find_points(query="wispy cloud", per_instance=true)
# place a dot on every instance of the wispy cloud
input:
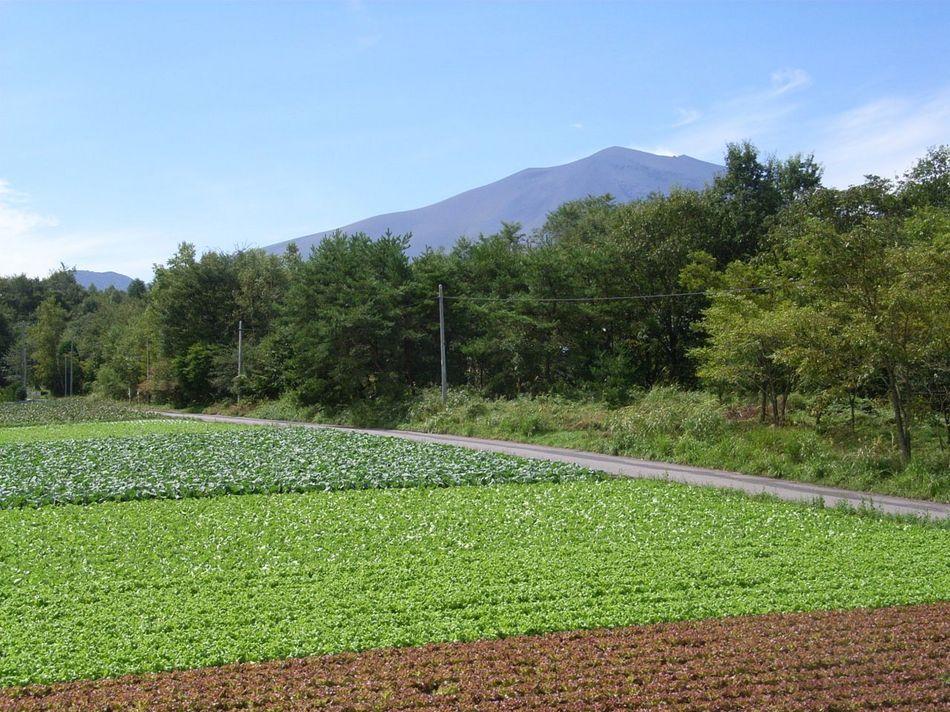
(758, 115)
(577, 125)
(35, 244)
(787, 80)
(17, 220)
(686, 117)
(884, 136)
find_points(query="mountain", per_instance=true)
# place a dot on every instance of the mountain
(102, 280)
(528, 196)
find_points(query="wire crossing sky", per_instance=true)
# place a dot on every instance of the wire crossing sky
(127, 127)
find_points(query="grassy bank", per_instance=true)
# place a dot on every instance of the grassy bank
(684, 427)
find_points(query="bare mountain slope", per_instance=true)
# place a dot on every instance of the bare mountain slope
(529, 195)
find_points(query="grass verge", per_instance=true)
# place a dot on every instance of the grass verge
(693, 428)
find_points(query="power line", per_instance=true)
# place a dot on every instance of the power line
(628, 298)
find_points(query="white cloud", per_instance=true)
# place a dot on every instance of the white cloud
(577, 125)
(34, 244)
(758, 115)
(884, 136)
(16, 218)
(786, 80)
(659, 150)
(686, 117)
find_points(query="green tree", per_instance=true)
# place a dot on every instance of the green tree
(45, 338)
(345, 318)
(653, 243)
(7, 340)
(750, 193)
(882, 288)
(747, 331)
(928, 181)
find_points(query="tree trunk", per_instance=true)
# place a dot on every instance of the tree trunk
(899, 405)
(764, 406)
(946, 423)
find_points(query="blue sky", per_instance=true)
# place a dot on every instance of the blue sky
(127, 127)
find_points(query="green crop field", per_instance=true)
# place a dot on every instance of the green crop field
(103, 429)
(67, 410)
(194, 461)
(92, 591)
(368, 547)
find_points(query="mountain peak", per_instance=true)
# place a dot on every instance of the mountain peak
(527, 197)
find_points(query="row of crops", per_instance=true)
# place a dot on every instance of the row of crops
(197, 460)
(867, 659)
(347, 542)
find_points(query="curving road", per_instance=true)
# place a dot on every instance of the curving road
(630, 467)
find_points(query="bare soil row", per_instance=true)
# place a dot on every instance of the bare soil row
(890, 658)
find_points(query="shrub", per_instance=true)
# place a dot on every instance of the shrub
(663, 415)
(287, 407)
(12, 392)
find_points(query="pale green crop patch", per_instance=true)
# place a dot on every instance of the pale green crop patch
(197, 461)
(68, 410)
(91, 430)
(129, 587)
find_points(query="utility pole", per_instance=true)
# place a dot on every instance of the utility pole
(148, 371)
(240, 357)
(445, 385)
(23, 355)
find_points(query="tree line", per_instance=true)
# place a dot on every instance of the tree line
(764, 284)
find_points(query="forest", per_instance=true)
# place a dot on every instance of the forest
(764, 288)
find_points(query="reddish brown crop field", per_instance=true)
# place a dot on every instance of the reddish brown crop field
(890, 658)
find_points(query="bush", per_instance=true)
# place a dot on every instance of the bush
(287, 407)
(108, 384)
(663, 415)
(12, 392)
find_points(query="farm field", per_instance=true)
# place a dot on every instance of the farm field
(68, 410)
(116, 588)
(102, 429)
(174, 459)
(344, 542)
(889, 658)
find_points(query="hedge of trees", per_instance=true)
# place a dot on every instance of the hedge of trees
(764, 284)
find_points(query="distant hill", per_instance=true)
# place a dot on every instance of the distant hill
(528, 196)
(102, 280)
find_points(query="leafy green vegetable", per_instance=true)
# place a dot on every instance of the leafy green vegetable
(125, 587)
(247, 460)
(92, 429)
(68, 410)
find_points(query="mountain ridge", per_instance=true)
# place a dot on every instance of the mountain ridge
(527, 196)
(102, 280)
